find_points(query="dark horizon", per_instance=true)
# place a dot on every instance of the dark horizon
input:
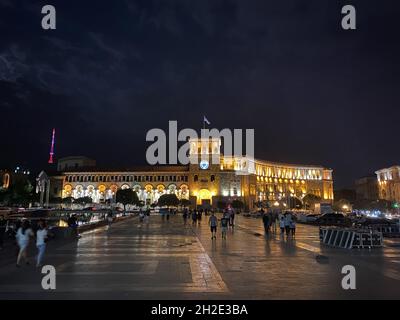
(313, 92)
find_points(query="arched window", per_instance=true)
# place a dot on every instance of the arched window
(212, 178)
(196, 178)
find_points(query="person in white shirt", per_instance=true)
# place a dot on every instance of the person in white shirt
(282, 224)
(293, 226)
(288, 221)
(23, 235)
(41, 239)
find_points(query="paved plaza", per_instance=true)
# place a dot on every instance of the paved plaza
(169, 260)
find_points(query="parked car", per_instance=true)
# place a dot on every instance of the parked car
(332, 219)
(303, 217)
(371, 222)
(312, 217)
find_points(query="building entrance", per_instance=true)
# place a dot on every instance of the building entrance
(204, 196)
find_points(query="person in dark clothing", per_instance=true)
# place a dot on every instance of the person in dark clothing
(232, 219)
(3, 226)
(185, 215)
(73, 223)
(224, 226)
(266, 221)
(194, 217)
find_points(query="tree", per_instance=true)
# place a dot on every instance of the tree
(83, 200)
(21, 193)
(67, 200)
(126, 196)
(185, 202)
(168, 200)
(221, 205)
(295, 203)
(310, 200)
(259, 204)
(237, 204)
(365, 204)
(56, 200)
(341, 205)
(5, 196)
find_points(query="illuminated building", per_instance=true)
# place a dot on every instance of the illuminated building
(366, 188)
(10, 177)
(70, 163)
(4, 179)
(212, 178)
(389, 183)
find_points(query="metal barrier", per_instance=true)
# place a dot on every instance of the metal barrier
(386, 230)
(347, 238)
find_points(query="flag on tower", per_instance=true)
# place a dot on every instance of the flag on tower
(206, 120)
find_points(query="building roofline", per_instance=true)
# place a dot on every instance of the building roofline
(387, 169)
(283, 164)
(152, 169)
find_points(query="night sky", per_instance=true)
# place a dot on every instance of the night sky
(112, 70)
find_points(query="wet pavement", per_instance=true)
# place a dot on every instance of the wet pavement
(170, 260)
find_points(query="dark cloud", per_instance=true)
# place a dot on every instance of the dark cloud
(113, 70)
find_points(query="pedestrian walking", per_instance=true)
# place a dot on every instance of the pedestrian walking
(147, 216)
(141, 216)
(194, 217)
(23, 235)
(185, 215)
(73, 224)
(213, 222)
(274, 216)
(293, 226)
(41, 240)
(288, 221)
(232, 219)
(109, 219)
(224, 226)
(266, 221)
(282, 223)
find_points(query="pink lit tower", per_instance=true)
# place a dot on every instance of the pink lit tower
(51, 160)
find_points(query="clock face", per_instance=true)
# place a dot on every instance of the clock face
(204, 164)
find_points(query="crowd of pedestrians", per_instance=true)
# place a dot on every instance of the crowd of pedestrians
(285, 220)
(272, 220)
(195, 214)
(227, 221)
(24, 232)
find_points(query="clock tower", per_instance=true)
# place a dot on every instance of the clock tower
(204, 169)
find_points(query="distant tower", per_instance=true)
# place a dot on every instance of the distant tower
(52, 146)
